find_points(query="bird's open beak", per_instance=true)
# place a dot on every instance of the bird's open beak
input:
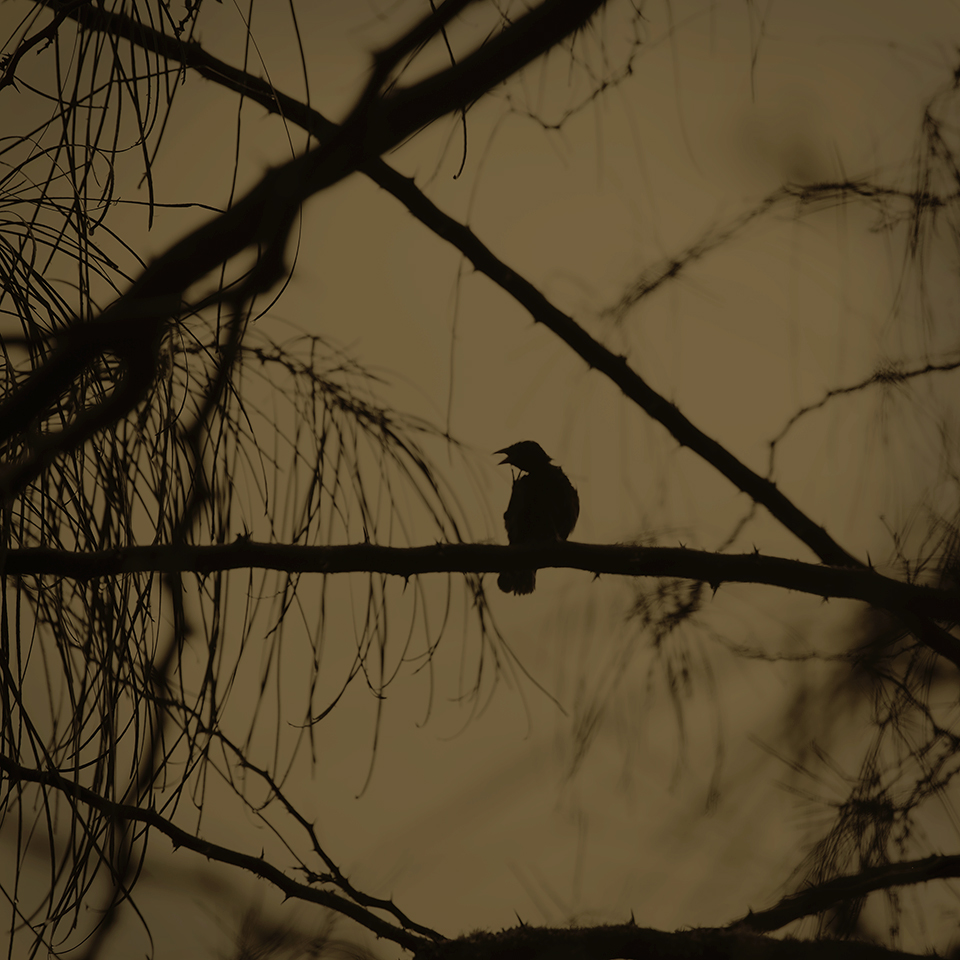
(506, 459)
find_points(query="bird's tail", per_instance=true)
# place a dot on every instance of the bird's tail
(517, 581)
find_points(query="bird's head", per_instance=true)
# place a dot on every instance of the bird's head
(525, 455)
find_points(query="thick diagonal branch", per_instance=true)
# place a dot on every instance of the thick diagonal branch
(262, 221)
(758, 488)
(590, 350)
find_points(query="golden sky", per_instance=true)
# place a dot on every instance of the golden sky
(468, 819)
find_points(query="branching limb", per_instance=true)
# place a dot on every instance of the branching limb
(263, 218)
(759, 489)
(823, 896)
(212, 851)
(335, 875)
(590, 350)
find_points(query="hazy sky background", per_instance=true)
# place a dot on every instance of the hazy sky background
(467, 820)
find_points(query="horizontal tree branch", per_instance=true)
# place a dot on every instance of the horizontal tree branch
(213, 851)
(618, 559)
(627, 941)
(823, 896)
(595, 354)
(615, 367)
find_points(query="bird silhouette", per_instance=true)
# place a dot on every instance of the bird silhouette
(543, 506)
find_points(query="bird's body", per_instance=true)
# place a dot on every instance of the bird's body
(543, 506)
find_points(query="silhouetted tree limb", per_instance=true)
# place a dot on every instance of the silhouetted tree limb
(133, 339)
(128, 334)
(618, 559)
(590, 350)
(262, 220)
(824, 896)
(630, 942)
(332, 874)
(8, 66)
(594, 943)
(761, 490)
(15, 773)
